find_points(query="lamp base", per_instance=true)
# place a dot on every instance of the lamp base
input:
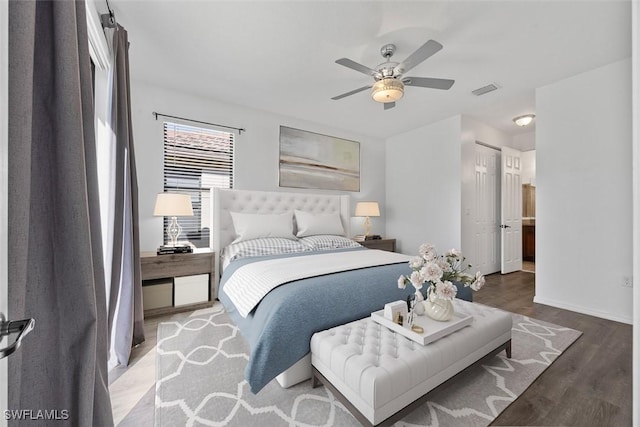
(173, 231)
(367, 226)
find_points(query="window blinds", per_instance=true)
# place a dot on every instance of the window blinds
(195, 160)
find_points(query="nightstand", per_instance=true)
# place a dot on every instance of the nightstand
(382, 244)
(177, 282)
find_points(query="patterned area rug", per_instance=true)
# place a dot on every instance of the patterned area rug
(200, 380)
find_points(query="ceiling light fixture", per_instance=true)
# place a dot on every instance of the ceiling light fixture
(524, 120)
(387, 90)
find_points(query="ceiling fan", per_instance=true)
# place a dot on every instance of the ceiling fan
(389, 81)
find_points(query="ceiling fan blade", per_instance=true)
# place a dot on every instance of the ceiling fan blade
(429, 82)
(355, 66)
(426, 50)
(344, 95)
(389, 105)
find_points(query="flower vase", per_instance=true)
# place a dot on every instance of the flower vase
(439, 309)
(414, 303)
(418, 307)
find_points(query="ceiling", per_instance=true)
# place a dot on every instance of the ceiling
(279, 56)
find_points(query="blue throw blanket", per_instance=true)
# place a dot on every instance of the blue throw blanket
(279, 329)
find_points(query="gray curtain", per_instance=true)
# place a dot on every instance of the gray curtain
(55, 257)
(126, 318)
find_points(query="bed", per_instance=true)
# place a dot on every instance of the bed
(279, 324)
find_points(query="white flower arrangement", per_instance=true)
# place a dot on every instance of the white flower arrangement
(439, 272)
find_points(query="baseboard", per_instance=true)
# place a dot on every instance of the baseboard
(583, 310)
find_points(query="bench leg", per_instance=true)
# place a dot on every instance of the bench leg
(315, 382)
(321, 380)
(508, 349)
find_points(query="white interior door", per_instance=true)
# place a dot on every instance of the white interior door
(487, 210)
(511, 210)
(4, 189)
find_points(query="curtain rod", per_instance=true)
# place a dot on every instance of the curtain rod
(240, 130)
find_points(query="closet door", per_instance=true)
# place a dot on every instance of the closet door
(511, 210)
(487, 210)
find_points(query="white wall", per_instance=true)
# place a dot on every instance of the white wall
(529, 167)
(423, 186)
(474, 131)
(584, 210)
(524, 141)
(431, 183)
(256, 157)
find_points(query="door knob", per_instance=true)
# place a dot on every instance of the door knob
(504, 226)
(21, 327)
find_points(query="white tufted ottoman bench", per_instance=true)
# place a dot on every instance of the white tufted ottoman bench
(380, 376)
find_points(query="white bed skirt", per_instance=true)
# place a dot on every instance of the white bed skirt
(300, 371)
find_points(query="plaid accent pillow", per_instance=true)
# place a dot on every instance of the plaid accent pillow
(261, 247)
(328, 241)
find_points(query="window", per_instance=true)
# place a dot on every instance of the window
(195, 160)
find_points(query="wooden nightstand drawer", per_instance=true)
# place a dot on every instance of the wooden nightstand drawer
(161, 266)
(382, 244)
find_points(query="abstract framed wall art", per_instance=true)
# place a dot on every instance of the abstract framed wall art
(313, 160)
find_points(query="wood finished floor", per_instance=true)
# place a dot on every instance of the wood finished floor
(529, 266)
(589, 385)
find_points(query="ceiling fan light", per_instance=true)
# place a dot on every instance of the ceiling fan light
(387, 90)
(524, 120)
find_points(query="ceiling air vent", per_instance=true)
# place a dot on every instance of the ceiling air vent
(485, 89)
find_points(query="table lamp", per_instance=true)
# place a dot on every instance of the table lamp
(173, 205)
(367, 209)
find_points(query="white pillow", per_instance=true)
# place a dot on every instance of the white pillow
(253, 226)
(310, 224)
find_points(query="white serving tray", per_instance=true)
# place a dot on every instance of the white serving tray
(433, 329)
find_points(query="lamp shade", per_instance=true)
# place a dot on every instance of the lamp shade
(173, 204)
(367, 209)
(387, 90)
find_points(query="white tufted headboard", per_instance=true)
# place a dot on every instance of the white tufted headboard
(250, 201)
